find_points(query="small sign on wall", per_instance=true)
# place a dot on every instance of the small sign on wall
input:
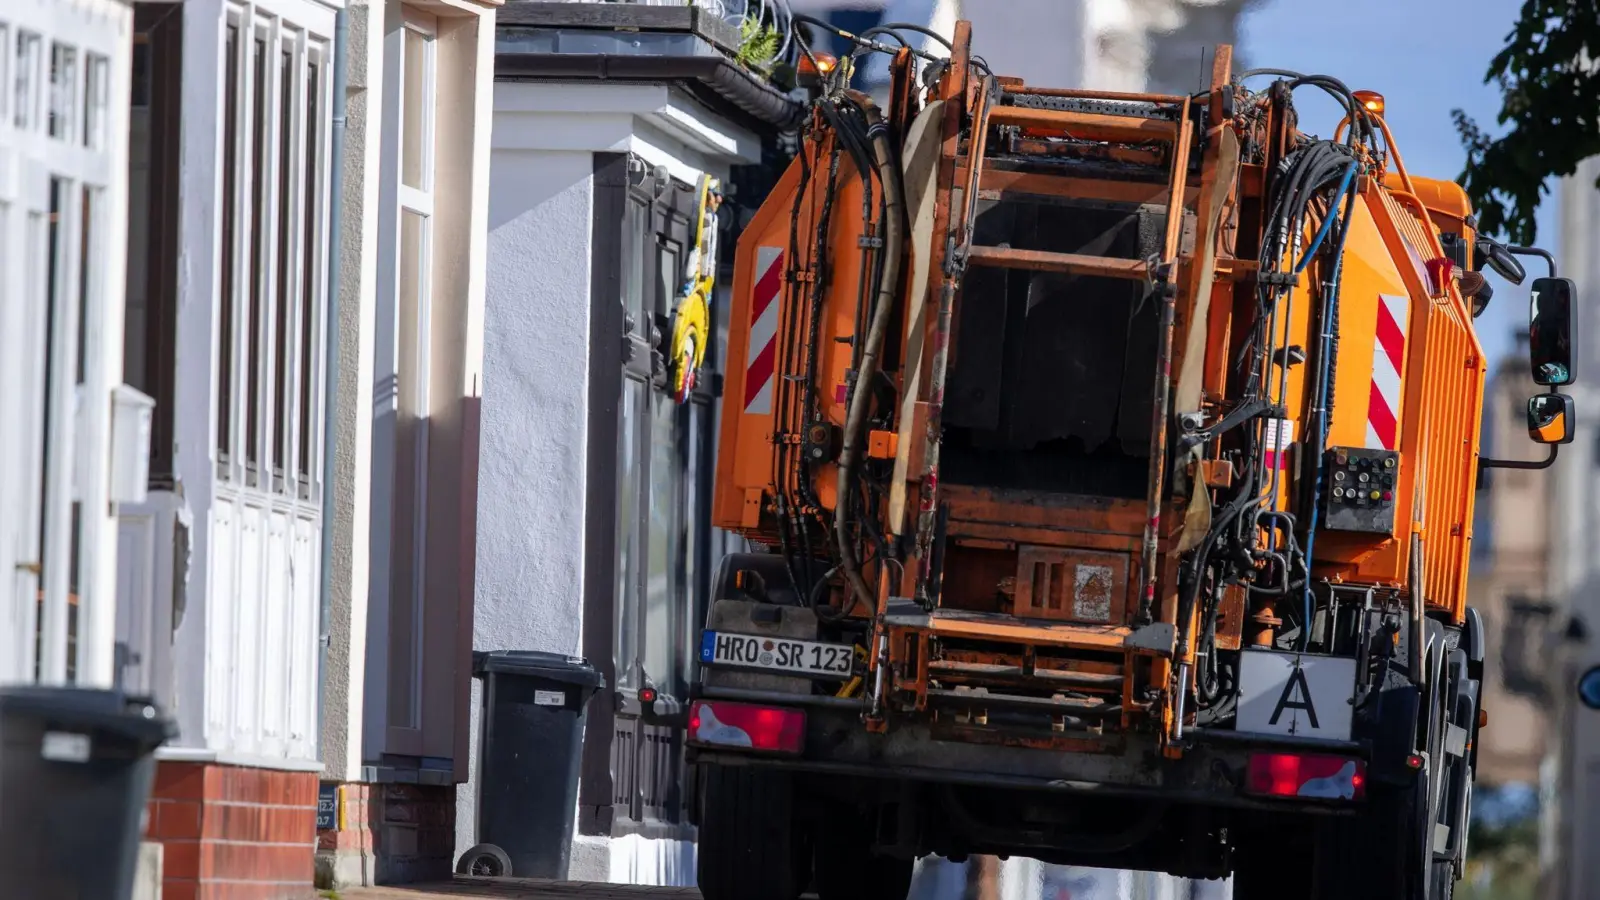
(328, 802)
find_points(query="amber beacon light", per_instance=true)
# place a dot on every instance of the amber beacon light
(1372, 100)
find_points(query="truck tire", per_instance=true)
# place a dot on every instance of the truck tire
(749, 848)
(1379, 853)
(1387, 850)
(846, 867)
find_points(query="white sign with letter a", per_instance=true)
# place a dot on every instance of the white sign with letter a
(1294, 694)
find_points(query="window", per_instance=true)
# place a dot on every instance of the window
(5, 69)
(96, 99)
(287, 251)
(273, 265)
(230, 236)
(63, 91)
(405, 368)
(26, 114)
(154, 168)
(311, 189)
(257, 264)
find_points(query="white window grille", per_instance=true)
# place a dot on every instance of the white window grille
(273, 265)
(62, 280)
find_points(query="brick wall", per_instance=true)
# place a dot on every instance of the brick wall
(233, 833)
(414, 832)
(345, 852)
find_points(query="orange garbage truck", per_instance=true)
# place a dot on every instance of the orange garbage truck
(1107, 462)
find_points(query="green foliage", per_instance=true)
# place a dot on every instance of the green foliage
(1549, 82)
(1504, 859)
(758, 44)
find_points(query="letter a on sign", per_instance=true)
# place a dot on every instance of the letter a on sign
(1296, 695)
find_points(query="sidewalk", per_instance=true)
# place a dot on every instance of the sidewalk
(518, 889)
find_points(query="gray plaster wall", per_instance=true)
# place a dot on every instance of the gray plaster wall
(342, 693)
(531, 493)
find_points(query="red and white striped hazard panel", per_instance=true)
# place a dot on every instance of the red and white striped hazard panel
(761, 363)
(1388, 361)
(1279, 437)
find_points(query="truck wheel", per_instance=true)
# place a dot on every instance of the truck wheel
(847, 869)
(1378, 853)
(749, 848)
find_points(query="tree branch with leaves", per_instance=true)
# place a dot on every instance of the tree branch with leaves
(1549, 80)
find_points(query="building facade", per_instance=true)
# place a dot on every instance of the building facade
(1513, 582)
(1572, 823)
(227, 300)
(293, 267)
(593, 221)
(64, 74)
(404, 426)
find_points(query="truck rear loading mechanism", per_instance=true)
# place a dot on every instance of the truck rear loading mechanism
(1111, 460)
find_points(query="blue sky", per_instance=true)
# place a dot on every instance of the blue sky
(1423, 69)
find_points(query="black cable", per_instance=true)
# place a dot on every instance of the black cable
(920, 29)
(858, 39)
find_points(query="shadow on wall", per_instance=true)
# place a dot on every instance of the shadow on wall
(549, 174)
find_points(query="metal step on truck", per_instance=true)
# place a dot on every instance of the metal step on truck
(1110, 459)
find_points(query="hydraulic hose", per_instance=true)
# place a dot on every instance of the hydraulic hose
(856, 414)
(1324, 386)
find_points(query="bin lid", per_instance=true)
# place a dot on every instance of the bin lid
(538, 664)
(109, 713)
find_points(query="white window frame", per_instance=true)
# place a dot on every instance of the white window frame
(392, 358)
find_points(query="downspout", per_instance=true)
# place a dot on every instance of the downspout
(330, 384)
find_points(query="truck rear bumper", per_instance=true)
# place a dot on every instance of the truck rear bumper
(1211, 772)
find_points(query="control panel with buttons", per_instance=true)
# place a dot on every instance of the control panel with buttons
(1358, 490)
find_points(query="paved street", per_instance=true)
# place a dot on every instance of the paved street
(518, 889)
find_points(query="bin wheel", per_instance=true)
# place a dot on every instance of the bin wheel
(485, 860)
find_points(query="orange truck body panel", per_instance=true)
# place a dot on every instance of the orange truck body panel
(1409, 377)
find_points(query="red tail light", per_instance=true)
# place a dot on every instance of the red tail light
(1312, 776)
(769, 728)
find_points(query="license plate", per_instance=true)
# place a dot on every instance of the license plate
(775, 654)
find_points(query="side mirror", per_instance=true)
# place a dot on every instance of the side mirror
(1501, 261)
(1550, 330)
(1550, 419)
(1589, 688)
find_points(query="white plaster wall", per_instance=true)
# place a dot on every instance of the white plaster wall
(535, 402)
(531, 494)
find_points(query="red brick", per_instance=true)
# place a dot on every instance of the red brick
(306, 786)
(260, 862)
(180, 781)
(180, 860)
(179, 819)
(217, 782)
(173, 889)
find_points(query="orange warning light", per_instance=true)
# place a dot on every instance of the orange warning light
(1372, 100)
